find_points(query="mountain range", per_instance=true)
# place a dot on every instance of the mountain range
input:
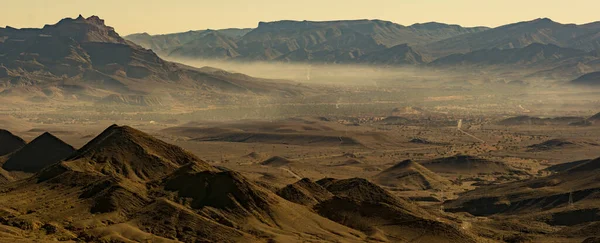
(348, 40)
(545, 48)
(329, 41)
(83, 59)
(518, 35)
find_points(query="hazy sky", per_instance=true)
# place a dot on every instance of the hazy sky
(166, 16)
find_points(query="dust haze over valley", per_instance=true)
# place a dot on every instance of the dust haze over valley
(301, 131)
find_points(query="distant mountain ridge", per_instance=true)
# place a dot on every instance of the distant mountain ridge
(165, 42)
(344, 41)
(519, 35)
(556, 50)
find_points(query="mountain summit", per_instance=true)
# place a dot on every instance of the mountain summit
(124, 151)
(92, 29)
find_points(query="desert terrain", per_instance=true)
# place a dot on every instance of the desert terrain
(413, 154)
(104, 140)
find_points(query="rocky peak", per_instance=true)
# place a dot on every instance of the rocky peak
(92, 29)
(95, 20)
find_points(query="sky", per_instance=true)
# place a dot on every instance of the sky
(169, 16)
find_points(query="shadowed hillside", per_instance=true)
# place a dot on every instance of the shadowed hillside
(43, 151)
(9, 143)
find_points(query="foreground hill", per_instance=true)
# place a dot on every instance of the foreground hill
(43, 151)
(136, 183)
(130, 153)
(124, 185)
(85, 59)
